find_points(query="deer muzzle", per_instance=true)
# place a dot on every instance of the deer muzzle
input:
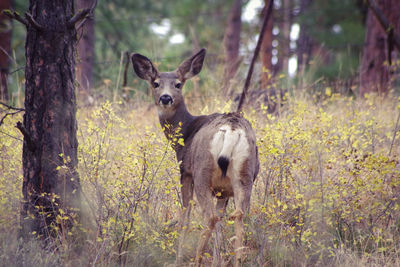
(165, 100)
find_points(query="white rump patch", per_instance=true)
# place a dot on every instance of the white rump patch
(232, 145)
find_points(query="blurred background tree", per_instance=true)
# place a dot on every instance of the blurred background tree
(331, 38)
(379, 53)
(310, 42)
(5, 48)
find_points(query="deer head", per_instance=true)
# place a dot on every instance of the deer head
(167, 86)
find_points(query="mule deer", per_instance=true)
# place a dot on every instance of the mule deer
(219, 157)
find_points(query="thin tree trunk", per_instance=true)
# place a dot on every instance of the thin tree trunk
(375, 71)
(5, 48)
(84, 66)
(232, 43)
(304, 42)
(266, 52)
(51, 184)
(286, 25)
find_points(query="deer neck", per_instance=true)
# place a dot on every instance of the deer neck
(171, 120)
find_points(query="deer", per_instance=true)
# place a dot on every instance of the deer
(219, 157)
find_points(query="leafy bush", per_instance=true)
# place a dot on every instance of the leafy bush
(327, 193)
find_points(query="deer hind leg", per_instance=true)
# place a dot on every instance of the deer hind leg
(242, 202)
(219, 240)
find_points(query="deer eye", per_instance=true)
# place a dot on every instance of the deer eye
(178, 85)
(156, 84)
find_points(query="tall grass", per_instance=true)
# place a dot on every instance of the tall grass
(327, 192)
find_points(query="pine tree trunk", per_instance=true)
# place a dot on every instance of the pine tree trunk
(375, 72)
(51, 184)
(266, 51)
(232, 44)
(5, 48)
(84, 66)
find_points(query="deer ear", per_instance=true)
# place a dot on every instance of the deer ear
(143, 67)
(192, 66)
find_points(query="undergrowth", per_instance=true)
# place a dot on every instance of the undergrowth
(327, 193)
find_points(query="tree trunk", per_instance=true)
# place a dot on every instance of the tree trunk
(285, 41)
(232, 43)
(51, 184)
(5, 48)
(84, 68)
(304, 42)
(266, 51)
(375, 72)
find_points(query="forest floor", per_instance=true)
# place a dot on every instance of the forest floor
(328, 191)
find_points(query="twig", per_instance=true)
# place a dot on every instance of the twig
(33, 22)
(11, 107)
(14, 15)
(9, 135)
(82, 16)
(8, 114)
(256, 51)
(17, 110)
(27, 138)
(18, 69)
(78, 17)
(394, 134)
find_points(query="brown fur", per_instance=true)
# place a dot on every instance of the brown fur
(199, 169)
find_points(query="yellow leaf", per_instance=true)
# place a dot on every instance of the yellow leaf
(181, 142)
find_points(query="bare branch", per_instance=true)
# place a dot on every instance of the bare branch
(82, 15)
(11, 107)
(8, 114)
(14, 15)
(33, 22)
(8, 107)
(394, 134)
(256, 51)
(78, 17)
(27, 138)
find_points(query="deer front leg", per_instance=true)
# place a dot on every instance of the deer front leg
(186, 189)
(187, 195)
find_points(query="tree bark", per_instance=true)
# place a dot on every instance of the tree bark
(232, 44)
(51, 186)
(84, 66)
(375, 71)
(5, 48)
(266, 51)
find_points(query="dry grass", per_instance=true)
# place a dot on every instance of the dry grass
(327, 193)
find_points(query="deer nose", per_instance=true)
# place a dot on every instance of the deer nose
(165, 99)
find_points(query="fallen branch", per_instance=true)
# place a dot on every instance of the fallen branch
(256, 52)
